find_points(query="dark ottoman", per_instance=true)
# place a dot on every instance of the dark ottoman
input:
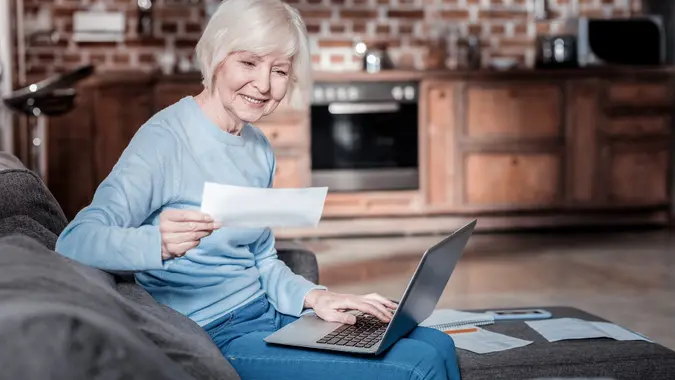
(588, 358)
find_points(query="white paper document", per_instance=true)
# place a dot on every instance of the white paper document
(558, 329)
(252, 207)
(483, 341)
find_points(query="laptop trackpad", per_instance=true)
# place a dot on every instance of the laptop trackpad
(307, 329)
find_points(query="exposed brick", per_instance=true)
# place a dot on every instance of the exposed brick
(146, 58)
(498, 30)
(405, 29)
(337, 28)
(72, 58)
(335, 43)
(179, 26)
(383, 29)
(121, 58)
(502, 14)
(413, 14)
(515, 42)
(358, 13)
(313, 27)
(475, 29)
(315, 13)
(101, 44)
(193, 27)
(145, 42)
(169, 27)
(455, 14)
(186, 43)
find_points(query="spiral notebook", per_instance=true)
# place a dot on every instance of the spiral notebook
(448, 319)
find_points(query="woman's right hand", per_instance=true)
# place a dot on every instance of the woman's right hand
(182, 230)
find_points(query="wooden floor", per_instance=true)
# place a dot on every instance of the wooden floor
(626, 277)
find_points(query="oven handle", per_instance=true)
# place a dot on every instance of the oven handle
(354, 108)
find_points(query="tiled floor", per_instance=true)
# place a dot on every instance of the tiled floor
(628, 278)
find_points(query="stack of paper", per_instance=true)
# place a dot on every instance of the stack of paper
(557, 329)
(444, 319)
(482, 341)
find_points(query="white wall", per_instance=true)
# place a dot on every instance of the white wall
(6, 78)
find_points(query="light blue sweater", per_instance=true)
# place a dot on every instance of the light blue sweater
(165, 166)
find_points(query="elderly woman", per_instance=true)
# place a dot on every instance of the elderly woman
(144, 216)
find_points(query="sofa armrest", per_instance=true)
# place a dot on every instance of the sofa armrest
(301, 261)
(24, 195)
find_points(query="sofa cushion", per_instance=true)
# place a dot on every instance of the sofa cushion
(29, 272)
(55, 340)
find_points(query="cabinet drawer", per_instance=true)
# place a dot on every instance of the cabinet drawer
(284, 135)
(638, 126)
(513, 111)
(506, 179)
(372, 204)
(646, 94)
(291, 171)
(638, 176)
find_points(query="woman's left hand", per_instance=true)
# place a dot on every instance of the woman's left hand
(331, 306)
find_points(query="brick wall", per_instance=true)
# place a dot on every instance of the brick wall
(505, 28)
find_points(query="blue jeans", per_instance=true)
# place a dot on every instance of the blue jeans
(423, 354)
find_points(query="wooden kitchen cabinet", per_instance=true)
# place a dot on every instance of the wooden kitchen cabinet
(438, 143)
(511, 180)
(508, 111)
(636, 174)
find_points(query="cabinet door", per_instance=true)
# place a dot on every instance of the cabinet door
(120, 111)
(511, 180)
(513, 111)
(167, 94)
(636, 174)
(438, 145)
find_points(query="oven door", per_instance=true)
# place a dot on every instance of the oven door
(365, 146)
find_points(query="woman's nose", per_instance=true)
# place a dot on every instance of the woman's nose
(262, 81)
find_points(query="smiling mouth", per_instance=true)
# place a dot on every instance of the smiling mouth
(253, 100)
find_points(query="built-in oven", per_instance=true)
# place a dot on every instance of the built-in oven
(364, 135)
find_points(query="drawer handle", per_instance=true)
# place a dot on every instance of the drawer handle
(514, 161)
(274, 135)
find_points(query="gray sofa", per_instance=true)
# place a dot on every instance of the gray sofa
(63, 320)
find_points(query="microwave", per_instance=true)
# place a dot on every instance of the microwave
(633, 41)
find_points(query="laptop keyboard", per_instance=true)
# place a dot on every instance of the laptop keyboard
(366, 332)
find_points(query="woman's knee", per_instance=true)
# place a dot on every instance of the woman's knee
(421, 360)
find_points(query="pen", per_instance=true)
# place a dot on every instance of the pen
(461, 331)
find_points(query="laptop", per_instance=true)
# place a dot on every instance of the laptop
(369, 335)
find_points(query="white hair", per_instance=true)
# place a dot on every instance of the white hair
(260, 27)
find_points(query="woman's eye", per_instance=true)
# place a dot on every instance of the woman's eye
(282, 73)
(248, 63)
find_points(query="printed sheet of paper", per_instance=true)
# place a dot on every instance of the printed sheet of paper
(252, 207)
(558, 329)
(484, 341)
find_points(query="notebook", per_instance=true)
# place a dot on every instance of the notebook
(447, 319)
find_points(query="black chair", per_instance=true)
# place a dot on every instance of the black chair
(53, 96)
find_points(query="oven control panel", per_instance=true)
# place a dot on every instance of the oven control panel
(341, 92)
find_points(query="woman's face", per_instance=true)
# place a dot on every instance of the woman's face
(251, 86)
